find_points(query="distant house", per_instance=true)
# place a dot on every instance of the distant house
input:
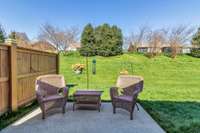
(73, 47)
(166, 49)
(182, 49)
(186, 50)
(22, 40)
(147, 49)
(162, 49)
(43, 45)
(142, 49)
(22, 36)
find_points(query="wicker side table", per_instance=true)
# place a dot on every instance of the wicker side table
(87, 99)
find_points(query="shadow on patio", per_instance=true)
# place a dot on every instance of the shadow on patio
(86, 121)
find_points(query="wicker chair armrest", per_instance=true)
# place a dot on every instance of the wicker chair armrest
(136, 92)
(64, 91)
(113, 92)
(53, 98)
(127, 91)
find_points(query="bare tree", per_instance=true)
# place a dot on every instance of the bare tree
(153, 39)
(72, 35)
(22, 39)
(175, 37)
(50, 34)
(157, 39)
(136, 39)
(179, 36)
(61, 39)
(130, 41)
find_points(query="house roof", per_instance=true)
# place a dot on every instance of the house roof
(162, 46)
(43, 45)
(74, 45)
(21, 43)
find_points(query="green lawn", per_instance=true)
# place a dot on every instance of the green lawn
(171, 86)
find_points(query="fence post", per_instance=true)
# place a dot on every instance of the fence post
(58, 63)
(13, 75)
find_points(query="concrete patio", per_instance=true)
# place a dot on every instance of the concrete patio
(86, 121)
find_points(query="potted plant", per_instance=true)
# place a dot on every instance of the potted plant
(78, 68)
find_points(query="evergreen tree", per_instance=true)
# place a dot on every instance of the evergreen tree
(117, 40)
(103, 36)
(12, 35)
(196, 39)
(88, 41)
(196, 42)
(108, 40)
(2, 35)
(104, 40)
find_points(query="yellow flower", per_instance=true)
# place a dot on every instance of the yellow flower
(124, 72)
(78, 66)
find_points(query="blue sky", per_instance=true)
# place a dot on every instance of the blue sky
(28, 15)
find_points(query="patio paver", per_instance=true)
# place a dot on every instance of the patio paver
(86, 121)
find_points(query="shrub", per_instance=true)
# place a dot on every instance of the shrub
(71, 53)
(151, 55)
(195, 52)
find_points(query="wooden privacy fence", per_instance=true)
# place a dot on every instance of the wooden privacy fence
(19, 68)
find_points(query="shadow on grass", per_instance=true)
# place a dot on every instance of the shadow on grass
(175, 117)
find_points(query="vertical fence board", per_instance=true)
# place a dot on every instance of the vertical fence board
(4, 79)
(13, 76)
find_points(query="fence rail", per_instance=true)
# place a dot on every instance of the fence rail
(19, 68)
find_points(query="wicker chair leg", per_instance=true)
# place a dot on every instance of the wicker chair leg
(131, 115)
(99, 107)
(42, 107)
(63, 109)
(137, 107)
(43, 114)
(73, 106)
(114, 110)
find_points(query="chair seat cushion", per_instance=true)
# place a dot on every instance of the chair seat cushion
(124, 98)
(52, 97)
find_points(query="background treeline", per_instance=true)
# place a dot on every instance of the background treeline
(107, 40)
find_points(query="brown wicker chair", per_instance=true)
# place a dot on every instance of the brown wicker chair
(131, 86)
(51, 92)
